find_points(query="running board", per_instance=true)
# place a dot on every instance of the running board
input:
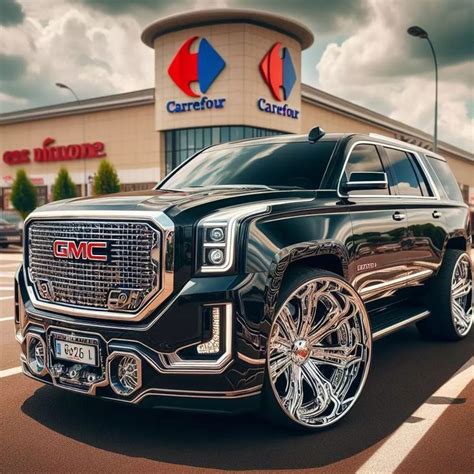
(385, 323)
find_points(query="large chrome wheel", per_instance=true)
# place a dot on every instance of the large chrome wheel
(461, 296)
(448, 296)
(319, 351)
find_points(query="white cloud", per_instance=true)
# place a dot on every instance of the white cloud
(374, 68)
(92, 52)
(12, 100)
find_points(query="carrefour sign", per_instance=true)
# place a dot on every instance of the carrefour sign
(279, 74)
(203, 68)
(203, 104)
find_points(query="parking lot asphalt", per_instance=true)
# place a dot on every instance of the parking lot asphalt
(415, 392)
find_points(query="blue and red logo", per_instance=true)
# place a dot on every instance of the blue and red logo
(202, 67)
(278, 71)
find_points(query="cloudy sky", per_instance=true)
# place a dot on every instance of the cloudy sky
(361, 53)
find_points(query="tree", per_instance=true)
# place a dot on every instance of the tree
(23, 194)
(63, 187)
(106, 180)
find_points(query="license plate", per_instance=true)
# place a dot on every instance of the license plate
(75, 352)
(12, 238)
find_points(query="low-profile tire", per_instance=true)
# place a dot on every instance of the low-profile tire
(449, 298)
(318, 351)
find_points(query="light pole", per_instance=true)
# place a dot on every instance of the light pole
(419, 32)
(65, 86)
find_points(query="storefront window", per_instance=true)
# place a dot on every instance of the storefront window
(465, 192)
(6, 201)
(181, 144)
(41, 195)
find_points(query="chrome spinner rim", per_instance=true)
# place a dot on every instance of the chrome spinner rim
(461, 296)
(319, 352)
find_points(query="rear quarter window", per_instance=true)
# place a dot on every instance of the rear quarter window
(404, 172)
(446, 177)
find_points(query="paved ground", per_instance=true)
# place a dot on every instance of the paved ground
(413, 416)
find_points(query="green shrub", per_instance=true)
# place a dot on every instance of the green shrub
(23, 194)
(106, 180)
(63, 187)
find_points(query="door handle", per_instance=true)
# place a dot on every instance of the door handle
(399, 216)
(437, 214)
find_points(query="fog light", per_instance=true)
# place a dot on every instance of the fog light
(125, 374)
(90, 377)
(36, 354)
(75, 372)
(216, 256)
(58, 369)
(213, 346)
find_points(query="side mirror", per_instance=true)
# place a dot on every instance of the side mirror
(364, 181)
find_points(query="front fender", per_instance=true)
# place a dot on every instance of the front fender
(285, 257)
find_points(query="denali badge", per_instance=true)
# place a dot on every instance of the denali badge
(45, 289)
(79, 250)
(124, 299)
(366, 266)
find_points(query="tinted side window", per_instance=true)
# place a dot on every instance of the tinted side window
(365, 158)
(403, 173)
(425, 187)
(447, 178)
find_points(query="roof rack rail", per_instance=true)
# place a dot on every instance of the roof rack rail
(390, 139)
(401, 142)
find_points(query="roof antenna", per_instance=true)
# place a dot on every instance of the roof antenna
(315, 134)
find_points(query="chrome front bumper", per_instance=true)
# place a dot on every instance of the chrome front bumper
(164, 376)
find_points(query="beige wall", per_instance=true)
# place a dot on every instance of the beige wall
(136, 149)
(462, 169)
(242, 46)
(332, 121)
(131, 144)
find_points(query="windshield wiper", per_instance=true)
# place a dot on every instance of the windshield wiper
(233, 186)
(286, 187)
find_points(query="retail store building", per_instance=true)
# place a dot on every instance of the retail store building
(220, 75)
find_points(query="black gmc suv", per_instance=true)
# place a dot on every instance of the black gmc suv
(255, 276)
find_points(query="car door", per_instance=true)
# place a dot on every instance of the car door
(425, 219)
(379, 227)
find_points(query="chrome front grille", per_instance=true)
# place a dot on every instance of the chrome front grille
(123, 283)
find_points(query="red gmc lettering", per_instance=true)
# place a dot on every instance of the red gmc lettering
(60, 249)
(90, 251)
(79, 250)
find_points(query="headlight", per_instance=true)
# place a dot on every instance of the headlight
(217, 236)
(216, 256)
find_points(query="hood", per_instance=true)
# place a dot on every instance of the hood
(173, 202)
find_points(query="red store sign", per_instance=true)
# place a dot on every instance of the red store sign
(55, 153)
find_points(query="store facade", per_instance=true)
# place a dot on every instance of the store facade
(220, 75)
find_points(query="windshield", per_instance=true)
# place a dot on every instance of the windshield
(274, 165)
